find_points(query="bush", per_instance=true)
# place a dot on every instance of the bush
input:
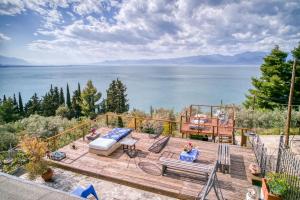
(7, 139)
(199, 137)
(152, 127)
(265, 118)
(277, 184)
(63, 112)
(35, 149)
(35, 125)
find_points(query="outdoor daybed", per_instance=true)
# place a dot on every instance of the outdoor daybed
(109, 142)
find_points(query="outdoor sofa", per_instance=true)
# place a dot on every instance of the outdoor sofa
(108, 143)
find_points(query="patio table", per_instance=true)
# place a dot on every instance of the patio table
(128, 143)
(189, 156)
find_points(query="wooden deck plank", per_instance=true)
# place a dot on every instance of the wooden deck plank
(114, 167)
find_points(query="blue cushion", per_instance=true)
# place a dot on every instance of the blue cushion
(117, 133)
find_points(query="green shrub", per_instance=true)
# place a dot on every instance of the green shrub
(199, 137)
(265, 119)
(277, 184)
(152, 127)
(7, 139)
(35, 125)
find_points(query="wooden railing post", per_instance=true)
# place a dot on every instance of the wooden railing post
(134, 123)
(279, 154)
(243, 138)
(170, 131)
(55, 144)
(261, 161)
(211, 111)
(180, 126)
(186, 116)
(213, 134)
(218, 128)
(106, 119)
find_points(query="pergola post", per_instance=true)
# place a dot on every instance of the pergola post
(288, 120)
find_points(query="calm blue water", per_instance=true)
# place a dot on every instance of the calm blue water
(159, 86)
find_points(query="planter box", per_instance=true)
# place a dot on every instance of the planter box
(266, 192)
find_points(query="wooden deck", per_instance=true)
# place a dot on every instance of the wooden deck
(146, 174)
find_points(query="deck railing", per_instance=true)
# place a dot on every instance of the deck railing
(109, 120)
(63, 138)
(284, 162)
(170, 127)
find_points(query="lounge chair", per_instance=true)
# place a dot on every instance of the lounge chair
(85, 192)
(157, 146)
(108, 143)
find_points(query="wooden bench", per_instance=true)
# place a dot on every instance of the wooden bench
(224, 158)
(189, 167)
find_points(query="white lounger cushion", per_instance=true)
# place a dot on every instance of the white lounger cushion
(102, 143)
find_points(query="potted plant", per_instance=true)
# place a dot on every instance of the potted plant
(36, 150)
(188, 148)
(274, 186)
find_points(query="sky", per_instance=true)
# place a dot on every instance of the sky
(88, 31)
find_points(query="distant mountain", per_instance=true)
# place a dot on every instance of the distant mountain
(12, 61)
(247, 58)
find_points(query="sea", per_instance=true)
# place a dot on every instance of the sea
(173, 87)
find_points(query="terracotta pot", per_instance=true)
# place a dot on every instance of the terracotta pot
(266, 192)
(47, 176)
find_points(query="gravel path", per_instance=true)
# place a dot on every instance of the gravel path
(68, 181)
(272, 142)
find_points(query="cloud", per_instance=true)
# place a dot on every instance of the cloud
(11, 7)
(4, 37)
(100, 30)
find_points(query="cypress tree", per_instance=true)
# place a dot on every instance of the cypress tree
(4, 98)
(46, 107)
(116, 100)
(89, 97)
(56, 100)
(76, 104)
(50, 102)
(61, 97)
(21, 108)
(79, 91)
(69, 104)
(16, 106)
(33, 106)
(111, 94)
(8, 112)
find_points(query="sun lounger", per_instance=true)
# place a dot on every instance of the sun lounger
(109, 142)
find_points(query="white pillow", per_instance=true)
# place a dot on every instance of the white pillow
(102, 143)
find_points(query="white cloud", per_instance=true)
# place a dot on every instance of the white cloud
(87, 7)
(100, 30)
(4, 37)
(14, 7)
(52, 17)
